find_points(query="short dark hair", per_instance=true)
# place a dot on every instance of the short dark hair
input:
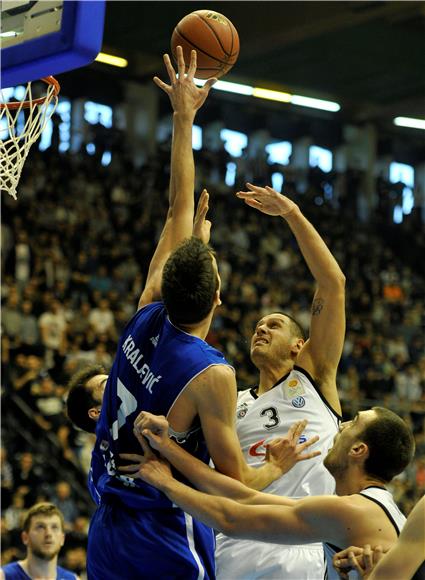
(391, 445)
(79, 398)
(189, 282)
(296, 328)
(42, 509)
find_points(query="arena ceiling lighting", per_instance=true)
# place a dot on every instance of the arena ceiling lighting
(111, 60)
(409, 122)
(270, 95)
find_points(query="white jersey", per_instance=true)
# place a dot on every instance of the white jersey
(259, 420)
(383, 498)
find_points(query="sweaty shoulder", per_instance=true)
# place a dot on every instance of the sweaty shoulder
(215, 374)
(214, 379)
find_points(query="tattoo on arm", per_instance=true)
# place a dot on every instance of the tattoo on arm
(317, 306)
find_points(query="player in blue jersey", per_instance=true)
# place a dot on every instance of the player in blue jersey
(43, 535)
(163, 365)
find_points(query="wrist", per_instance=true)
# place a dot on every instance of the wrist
(167, 486)
(275, 471)
(294, 211)
(184, 116)
(165, 446)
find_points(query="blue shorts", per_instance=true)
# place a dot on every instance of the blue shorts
(128, 544)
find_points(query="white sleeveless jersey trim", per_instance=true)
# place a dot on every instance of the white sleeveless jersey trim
(385, 500)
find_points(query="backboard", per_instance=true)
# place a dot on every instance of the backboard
(47, 37)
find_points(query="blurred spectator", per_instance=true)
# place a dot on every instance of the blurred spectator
(64, 500)
(12, 319)
(101, 319)
(13, 514)
(27, 476)
(48, 403)
(29, 335)
(408, 384)
(53, 331)
(27, 369)
(6, 474)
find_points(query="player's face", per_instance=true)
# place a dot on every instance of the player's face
(337, 458)
(97, 385)
(45, 537)
(272, 338)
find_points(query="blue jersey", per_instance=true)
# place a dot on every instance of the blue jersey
(14, 571)
(154, 363)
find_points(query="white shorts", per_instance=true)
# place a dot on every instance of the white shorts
(249, 560)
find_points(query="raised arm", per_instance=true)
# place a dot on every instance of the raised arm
(186, 98)
(321, 353)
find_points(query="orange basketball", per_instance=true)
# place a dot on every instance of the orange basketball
(214, 38)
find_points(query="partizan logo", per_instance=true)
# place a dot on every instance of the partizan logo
(242, 411)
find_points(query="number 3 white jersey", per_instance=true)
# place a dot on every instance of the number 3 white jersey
(259, 420)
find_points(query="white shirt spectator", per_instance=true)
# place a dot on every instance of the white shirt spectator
(408, 384)
(102, 318)
(53, 326)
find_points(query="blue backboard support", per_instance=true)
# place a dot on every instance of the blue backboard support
(76, 43)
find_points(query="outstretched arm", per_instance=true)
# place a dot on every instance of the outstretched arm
(283, 454)
(186, 98)
(301, 521)
(321, 353)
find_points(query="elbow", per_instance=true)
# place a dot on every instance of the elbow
(228, 527)
(227, 522)
(336, 282)
(341, 280)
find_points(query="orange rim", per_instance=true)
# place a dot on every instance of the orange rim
(26, 104)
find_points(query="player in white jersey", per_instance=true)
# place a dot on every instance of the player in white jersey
(297, 380)
(366, 454)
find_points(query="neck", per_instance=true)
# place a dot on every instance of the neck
(38, 568)
(354, 481)
(199, 329)
(270, 374)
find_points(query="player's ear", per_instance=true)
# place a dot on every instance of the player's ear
(24, 538)
(94, 413)
(217, 298)
(359, 450)
(297, 345)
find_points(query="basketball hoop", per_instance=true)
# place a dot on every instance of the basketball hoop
(16, 140)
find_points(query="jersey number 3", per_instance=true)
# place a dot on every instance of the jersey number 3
(272, 414)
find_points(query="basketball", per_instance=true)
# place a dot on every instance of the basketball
(214, 38)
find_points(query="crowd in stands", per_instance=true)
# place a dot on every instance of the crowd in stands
(75, 251)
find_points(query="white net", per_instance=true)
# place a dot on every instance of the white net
(20, 127)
